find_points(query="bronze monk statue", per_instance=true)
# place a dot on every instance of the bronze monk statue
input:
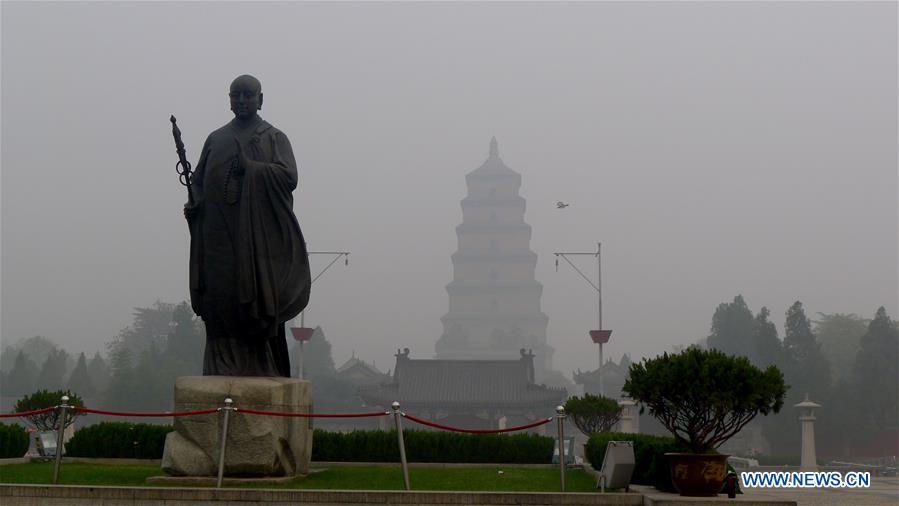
(249, 270)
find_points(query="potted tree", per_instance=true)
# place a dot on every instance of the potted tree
(704, 397)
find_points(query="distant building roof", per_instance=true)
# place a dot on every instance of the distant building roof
(361, 373)
(464, 383)
(356, 362)
(614, 376)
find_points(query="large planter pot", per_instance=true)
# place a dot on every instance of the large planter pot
(698, 475)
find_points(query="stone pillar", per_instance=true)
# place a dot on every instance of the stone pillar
(809, 461)
(630, 416)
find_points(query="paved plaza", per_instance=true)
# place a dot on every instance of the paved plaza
(883, 491)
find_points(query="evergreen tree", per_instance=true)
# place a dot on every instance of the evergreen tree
(184, 347)
(21, 377)
(8, 358)
(99, 373)
(151, 326)
(806, 368)
(36, 348)
(120, 393)
(840, 335)
(766, 346)
(876, 372)
(732, 328)
(317, 360)
(152, 386)
(80, 381)
(52, 374)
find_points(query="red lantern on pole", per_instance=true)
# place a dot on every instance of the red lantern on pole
(600, 336)
(301, 334)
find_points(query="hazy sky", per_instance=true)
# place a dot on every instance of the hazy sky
(714, 149)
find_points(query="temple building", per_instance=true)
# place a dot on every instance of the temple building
(494, 299)
(467, 393)
(360, 373)
(613, 378)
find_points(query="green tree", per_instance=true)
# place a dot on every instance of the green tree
(21, 378)
(732, 328)
(840, 335)
(99, 373)
(876, 371)
(37, 348)
(317, 360)
(151, 325)
(80, 380)
(184, 346)
(593, 413)
(122, 383)
(808, 370)
(766, 347)
(44, 399)
(704, 397)
(53, 371)
(152, 383)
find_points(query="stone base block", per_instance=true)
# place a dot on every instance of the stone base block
(257, 445)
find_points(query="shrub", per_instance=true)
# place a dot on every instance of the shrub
(704, 397)
(116, 440)
(119, 440)
(44, 399)
(651, 465)
(593, 413)
(13, 441)
(431, 446)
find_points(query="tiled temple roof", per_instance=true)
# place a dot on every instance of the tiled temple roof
(486, 383)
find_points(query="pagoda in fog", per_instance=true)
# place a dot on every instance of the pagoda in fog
(494, 300)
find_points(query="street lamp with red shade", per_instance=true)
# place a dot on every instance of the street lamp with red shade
(301, 335)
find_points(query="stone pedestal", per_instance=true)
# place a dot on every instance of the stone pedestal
(257, 445)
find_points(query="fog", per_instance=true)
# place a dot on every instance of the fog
(714, 149)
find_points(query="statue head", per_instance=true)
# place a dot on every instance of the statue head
(246, 96)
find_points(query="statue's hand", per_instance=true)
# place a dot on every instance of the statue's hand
(242, 161)
(191, 211)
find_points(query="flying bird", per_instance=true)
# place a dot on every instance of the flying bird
(561, 205)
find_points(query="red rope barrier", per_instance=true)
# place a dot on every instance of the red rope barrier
(164, 413)
(475, 431)
(28, 413)
(310, 415)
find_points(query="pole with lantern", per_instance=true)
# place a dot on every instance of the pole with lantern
(598, 336)
(303, 334)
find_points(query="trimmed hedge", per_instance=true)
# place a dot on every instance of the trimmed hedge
(119, 440)
(649, 453)
(13, 441)
(116, 440)
(431, 446)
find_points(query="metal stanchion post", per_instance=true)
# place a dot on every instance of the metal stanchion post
(227, 409)
(399, 435)
(560, 418)
(61, 428)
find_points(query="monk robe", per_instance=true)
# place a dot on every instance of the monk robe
(249, 270)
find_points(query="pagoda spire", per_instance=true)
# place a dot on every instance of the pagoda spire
(494, 147)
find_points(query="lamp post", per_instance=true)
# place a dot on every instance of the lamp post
(304, 333)
(809, 461)
(598, 336)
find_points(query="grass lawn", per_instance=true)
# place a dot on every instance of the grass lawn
(352, 478)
